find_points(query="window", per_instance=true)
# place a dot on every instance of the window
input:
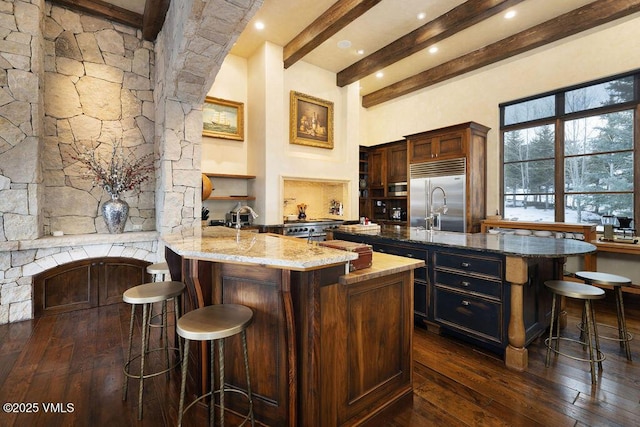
(568, 156)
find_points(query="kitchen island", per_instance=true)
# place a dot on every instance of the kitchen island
(326, 347)
(485, 288)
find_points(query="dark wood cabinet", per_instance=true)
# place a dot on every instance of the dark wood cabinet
(434, 145)
(377, 168)
(387, 167)
(421, 290)
(397, 163)
(86, 283)
(465, 293)
(465, 140)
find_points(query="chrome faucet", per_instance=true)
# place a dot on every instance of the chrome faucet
(243, 209)
(433, 219)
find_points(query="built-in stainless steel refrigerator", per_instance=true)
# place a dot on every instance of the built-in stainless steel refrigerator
(441, 183)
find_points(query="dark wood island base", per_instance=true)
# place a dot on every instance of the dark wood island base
(325, 348)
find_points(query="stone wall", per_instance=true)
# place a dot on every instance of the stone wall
(98, 89)
(20, 119)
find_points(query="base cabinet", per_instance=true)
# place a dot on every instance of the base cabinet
(86, 283)
(466, 294)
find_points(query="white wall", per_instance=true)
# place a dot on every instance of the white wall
(475, 96)
(226, 155)
(264, 86)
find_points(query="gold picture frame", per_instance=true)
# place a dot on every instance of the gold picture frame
(310, 121)
(223, 119)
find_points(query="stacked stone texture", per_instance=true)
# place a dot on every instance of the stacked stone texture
(98, 89)
(67, 78)
(20, 118)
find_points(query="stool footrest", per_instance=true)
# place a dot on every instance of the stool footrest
(247, 417)
(599, 357)
(152, 374)
(606, 337)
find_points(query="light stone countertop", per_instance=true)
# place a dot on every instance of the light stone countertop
(229, 245)
(382, 265)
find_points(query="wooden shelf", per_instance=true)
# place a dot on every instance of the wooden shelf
(229, 176)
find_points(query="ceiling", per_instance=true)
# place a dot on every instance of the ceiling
(394, 41)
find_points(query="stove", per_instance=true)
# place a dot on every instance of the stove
(312, 229)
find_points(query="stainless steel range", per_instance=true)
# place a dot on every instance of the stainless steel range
(312, 229)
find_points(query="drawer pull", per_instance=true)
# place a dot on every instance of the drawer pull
(465, 284)
(465, 303)
(410, 255)
(465, 265)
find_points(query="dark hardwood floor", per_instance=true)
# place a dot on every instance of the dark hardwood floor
(76, 358)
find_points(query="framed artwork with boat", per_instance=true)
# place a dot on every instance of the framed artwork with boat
(223, 119)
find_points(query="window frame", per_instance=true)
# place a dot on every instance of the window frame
(558, 121)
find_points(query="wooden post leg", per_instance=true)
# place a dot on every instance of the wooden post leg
(516, 354)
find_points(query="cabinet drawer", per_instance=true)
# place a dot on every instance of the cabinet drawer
(467, 263)
(470, 284)
(405, 251)
(468, 314)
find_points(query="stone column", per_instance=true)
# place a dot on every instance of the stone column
(190, 49)
(21, 115)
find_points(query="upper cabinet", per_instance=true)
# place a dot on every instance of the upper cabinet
(397, 162)
(445, 143)
(468, 141)
(377, 167)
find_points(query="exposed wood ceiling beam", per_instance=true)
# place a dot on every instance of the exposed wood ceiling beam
(338, 16)
(155, 12)
(105, 10)
(452, 22)
(589, 16)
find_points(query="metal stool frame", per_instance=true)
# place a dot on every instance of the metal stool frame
(222, 389)
(144, 345)
(615, 281)
(591, 329)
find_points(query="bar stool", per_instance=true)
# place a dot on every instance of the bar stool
(145, 295)
(581, 292)
(616, 282)
(159, 273)
(214, 323)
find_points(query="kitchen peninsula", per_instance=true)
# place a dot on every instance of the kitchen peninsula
(485, 288)
(326, 347)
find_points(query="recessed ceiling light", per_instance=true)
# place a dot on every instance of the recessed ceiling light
(344, 44)
(360, 51)
(259, 25)
(379, 74)
(433, 49)
(422, 15)
(510, 14)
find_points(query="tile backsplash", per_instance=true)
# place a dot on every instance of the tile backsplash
(317, 195)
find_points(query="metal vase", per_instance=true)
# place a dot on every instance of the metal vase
(115, 213)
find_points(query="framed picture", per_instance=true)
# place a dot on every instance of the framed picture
(311, 121)
(223, 119)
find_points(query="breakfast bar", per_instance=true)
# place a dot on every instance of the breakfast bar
(327, 347)
(485, 288)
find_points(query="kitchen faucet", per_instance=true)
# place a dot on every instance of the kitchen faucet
(431, 222)
(243, 209)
